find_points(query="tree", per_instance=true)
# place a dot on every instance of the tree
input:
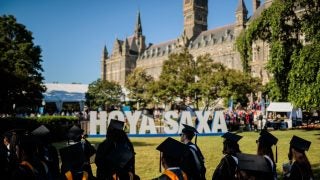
(183, 76)
(236, 84)
(103, 94)
(138, 83)
(177, 77)
(20, 62)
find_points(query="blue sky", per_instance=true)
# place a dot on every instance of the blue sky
(72, 33)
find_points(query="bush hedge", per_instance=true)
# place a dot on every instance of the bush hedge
(58, 125)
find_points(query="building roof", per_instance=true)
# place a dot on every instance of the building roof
(280, 107)
(65, 92)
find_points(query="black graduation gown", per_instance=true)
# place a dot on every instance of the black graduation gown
(189, 165)
(298, 171)
(177, 172)
(226, 169)
(49, 155)
(89, 151)
(103, 160)
(23, 172)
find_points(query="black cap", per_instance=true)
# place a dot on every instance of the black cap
(172, 147)
(188, 128)
(75, 132)
(231, 136)
(116, 124)
(299, 143)
(18, 132)
(41, 131)
(121, 156)
(267, 138)
(72, 157)
(251, 162)
(7, 135)
(191, 131)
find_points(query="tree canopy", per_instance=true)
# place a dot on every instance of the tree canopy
(138, 83)
(291, 28)
(20, 62)
(103, 94)
(202, 79)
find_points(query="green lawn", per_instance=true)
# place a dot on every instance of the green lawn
(147, 157)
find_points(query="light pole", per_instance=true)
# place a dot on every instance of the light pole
(43, 103)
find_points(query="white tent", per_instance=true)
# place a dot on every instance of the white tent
(280, 107)
(60, 93)
(284, 107)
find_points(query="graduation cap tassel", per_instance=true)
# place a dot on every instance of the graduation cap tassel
(195, 141)
(276, 154)
(160, 163)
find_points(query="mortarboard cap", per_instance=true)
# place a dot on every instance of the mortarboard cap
(72, 157)
(172, 148)
(231, 136)
(7, 134)
(75, 132)
(116, 124)
(267, 138)
(299, 143)
(18, 132)
(41, 131)
(188, 128)
(251, 162)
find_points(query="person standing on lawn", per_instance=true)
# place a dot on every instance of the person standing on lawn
(171, 155)
(228, 165)
(193, 163)
(300, 168)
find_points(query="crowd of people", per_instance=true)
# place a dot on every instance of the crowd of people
(30, 155)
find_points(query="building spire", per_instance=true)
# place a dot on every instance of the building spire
(138, 29)
(242, 7)
(255, 5)
(105, 52)
(241, 17)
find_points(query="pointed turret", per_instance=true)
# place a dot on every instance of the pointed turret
(255, 5)
(241, 7)
(241, 17)
(104, 63)
(105, 53)
(126, 47)
(117, 50)
(138, 29)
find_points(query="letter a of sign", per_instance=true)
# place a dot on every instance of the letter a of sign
(219, 122)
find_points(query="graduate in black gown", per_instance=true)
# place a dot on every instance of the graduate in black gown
(7, 156)
(228, 164)
(265, 142)
(46, 151)
(171, 157)
(193, 162)
(300, 168)
(115, 155)
(252, 167)
(84, 148)
(29, 164)
(73, 161)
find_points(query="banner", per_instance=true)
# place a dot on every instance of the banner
(171, 123)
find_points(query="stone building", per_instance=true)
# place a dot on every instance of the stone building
(132, 52)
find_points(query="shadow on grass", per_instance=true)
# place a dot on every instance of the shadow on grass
(142, 143)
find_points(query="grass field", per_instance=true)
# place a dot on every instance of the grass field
(147, 157)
